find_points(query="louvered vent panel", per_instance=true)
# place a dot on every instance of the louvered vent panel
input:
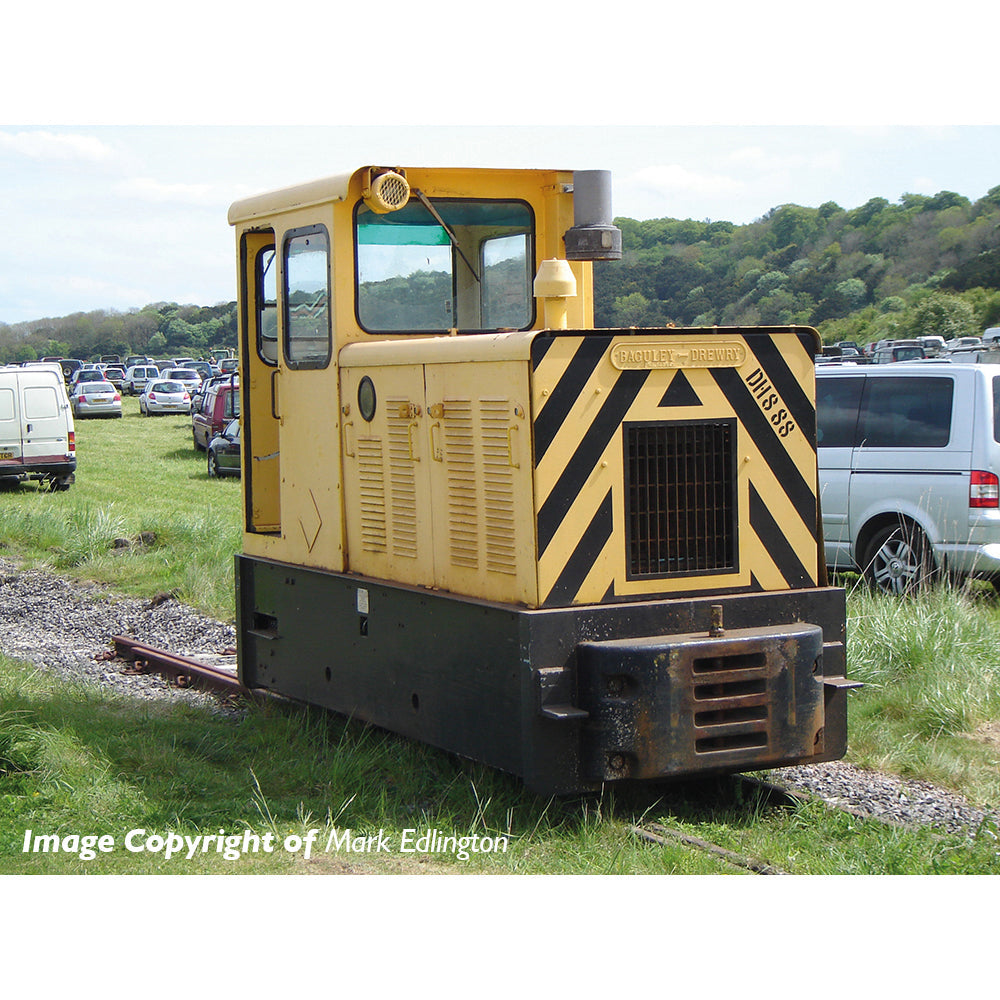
(402, 481)
(463, 499)
(372, 490)
(498, 485)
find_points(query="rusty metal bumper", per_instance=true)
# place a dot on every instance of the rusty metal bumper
(669, 705)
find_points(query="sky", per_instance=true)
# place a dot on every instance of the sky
(117, 217)
(123, 142)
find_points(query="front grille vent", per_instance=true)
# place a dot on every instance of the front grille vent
(680, 488)
(731, 703)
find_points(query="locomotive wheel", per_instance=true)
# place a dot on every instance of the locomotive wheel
(899, 560)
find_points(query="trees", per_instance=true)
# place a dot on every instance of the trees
(945, 316)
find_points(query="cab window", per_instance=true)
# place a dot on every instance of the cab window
(307, 298)
(267, 305)
(445, 264)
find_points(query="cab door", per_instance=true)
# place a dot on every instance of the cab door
(260, 385)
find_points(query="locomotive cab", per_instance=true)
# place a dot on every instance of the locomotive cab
(472, 518)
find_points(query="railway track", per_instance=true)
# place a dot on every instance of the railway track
(750, 788)
(218, 674)
(184, 671)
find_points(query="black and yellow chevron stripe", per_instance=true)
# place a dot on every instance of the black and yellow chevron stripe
(584, 403)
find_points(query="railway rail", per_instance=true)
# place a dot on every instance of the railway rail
(747, 787)
(184, 671)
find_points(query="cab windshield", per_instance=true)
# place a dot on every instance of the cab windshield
(446, 265)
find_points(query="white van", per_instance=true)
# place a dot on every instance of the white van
(37, 435)
(909, 466)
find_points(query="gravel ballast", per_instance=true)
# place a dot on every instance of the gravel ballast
(66, 627)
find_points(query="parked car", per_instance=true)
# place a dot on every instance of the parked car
(95, 399)
(137, 359)
(136, 378)
(115, 374)
(957, 342)
(164, 396)
(224, 451)
(36, 397)
(70, 367)
(211, 411)
(933, 346)
(190, 379)
(899, 350)
(909, 460)
(204, 369)
(228, 365)
(85, 374)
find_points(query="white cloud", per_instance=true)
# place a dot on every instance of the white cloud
(783, 161)
(673, 179)
(49, 146)
(151, 190)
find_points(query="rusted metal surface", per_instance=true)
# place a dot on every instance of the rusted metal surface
(739, 699)
(184, 671)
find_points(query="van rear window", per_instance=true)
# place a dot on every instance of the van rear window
(906, 413)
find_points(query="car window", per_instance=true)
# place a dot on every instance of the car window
(996, 408)
(837, 411)
(166, 387)
(906, 413)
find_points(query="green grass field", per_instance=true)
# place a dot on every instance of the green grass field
(77, 762)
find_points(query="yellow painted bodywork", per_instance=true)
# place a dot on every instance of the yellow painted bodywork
(293, 474)
(440, 489)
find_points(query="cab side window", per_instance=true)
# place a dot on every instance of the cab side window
(307, 298)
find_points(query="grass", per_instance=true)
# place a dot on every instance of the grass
(76, 760)
(137, 478)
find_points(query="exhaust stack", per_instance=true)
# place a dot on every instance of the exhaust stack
(593, 236)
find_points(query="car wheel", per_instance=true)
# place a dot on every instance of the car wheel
(899, 560)
(213, 465)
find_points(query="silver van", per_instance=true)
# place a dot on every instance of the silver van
(909, 458)
(37, 434)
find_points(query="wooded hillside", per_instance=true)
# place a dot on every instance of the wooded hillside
(922, 265)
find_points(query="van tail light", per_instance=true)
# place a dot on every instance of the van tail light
(72, 441)
(984, 489)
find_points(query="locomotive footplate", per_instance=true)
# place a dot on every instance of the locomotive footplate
(663, 705)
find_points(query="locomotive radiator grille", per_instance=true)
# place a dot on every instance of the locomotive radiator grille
(680, 498)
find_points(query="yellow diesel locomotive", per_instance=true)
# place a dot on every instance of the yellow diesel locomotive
(578, 555)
